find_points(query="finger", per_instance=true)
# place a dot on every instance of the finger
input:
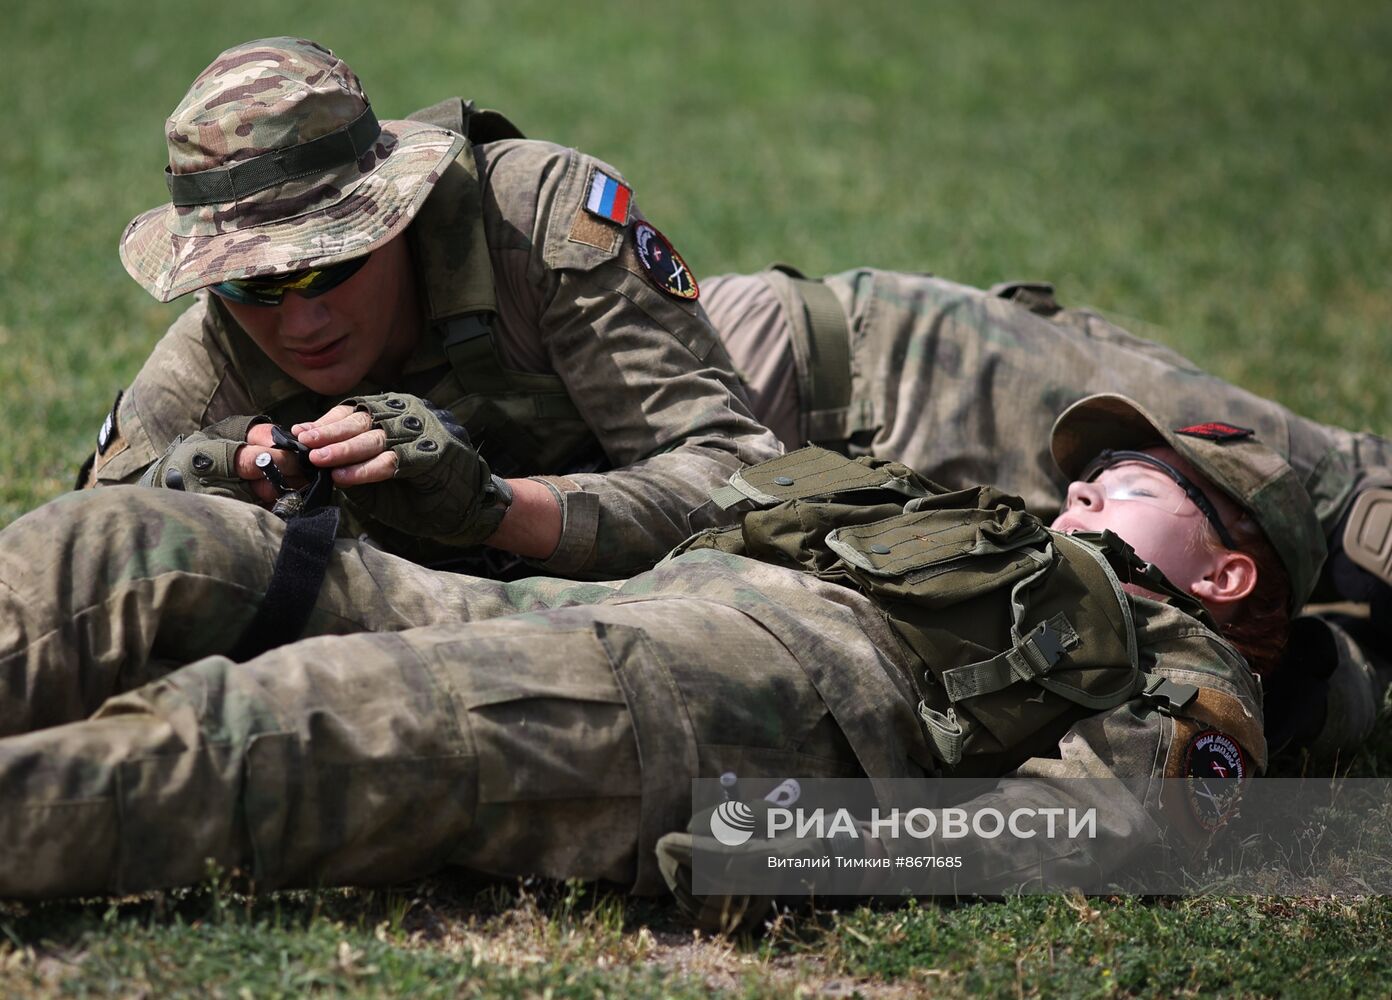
(245, 461)
(266, 494)
(260, 435)
(361, 448)
(336, 414)
(351, 424)
(376, 470)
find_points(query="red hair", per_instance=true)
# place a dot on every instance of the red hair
(1261, 628)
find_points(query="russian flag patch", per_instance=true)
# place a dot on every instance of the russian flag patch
(608, 198)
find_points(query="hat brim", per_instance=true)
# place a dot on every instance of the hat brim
(1104, 421)
(374, 211)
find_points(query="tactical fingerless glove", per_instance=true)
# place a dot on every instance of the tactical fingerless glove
(205, 461)
(442, 489)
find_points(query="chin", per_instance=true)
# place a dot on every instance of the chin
(327, 383)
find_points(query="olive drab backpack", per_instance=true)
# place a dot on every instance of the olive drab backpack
(1020, 631)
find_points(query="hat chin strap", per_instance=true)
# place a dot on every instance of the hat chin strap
(1108, 458)
(220, 185)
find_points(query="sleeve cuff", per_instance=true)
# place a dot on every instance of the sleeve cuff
(579, 526)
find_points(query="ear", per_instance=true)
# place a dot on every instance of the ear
(1230, 578)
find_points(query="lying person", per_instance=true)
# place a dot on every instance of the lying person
(960, 384)
(554, 728)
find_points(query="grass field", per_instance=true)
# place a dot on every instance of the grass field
(1220, 175)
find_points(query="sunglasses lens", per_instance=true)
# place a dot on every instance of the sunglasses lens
(330, 277)
(308, 283)
(247, 293)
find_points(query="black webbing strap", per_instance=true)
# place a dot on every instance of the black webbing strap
(220, 185)
(294, 588)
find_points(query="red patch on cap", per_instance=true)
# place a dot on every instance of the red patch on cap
(1217, 431)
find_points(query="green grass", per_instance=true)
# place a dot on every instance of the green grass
(433, 940)
(1217, 173)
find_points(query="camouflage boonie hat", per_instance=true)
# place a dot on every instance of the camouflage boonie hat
(1254, 476)
(277, 163)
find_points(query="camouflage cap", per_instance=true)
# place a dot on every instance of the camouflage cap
(1258, 479)
(276, 163)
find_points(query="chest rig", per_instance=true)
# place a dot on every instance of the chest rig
(1019, 631)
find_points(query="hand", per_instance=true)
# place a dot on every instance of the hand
(345, 441)
(412, 465)
(259, 442)
(220, 460)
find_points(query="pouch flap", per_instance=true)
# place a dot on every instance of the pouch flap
(816, 472)
(903, 546)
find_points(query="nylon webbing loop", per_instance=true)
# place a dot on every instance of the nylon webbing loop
(220, 185)
(726, 497)
(829, 352)
(944, 731)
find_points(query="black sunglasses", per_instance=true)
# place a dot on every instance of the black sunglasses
(271, 291)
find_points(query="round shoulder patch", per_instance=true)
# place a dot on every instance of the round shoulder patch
(1214, 769)
(664, 265)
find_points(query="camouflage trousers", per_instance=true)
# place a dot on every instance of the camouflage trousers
(963, 385)
(541, 726)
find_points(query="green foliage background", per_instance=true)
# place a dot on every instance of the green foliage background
(1217, 174)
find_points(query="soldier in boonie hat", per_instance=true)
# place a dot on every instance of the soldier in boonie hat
(300, 173)
(388, 292)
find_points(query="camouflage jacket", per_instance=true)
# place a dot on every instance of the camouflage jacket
(604, 369)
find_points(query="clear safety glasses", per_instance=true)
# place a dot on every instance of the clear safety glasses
(1137, 476)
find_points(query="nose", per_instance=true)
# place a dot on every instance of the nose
(300, 318)
(1089, 496)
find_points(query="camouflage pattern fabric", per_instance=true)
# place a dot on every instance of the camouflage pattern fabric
(963, 385)
(540, 726)
(256, 100)
(656, 399)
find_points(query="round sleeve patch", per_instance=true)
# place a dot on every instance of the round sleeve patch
(664, 266)
(1214, 769)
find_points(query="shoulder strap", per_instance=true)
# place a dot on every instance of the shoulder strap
(478, 125)
(829, 343)
(1131, 568)
(452, 253)
(468, 343)
(821, 341)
